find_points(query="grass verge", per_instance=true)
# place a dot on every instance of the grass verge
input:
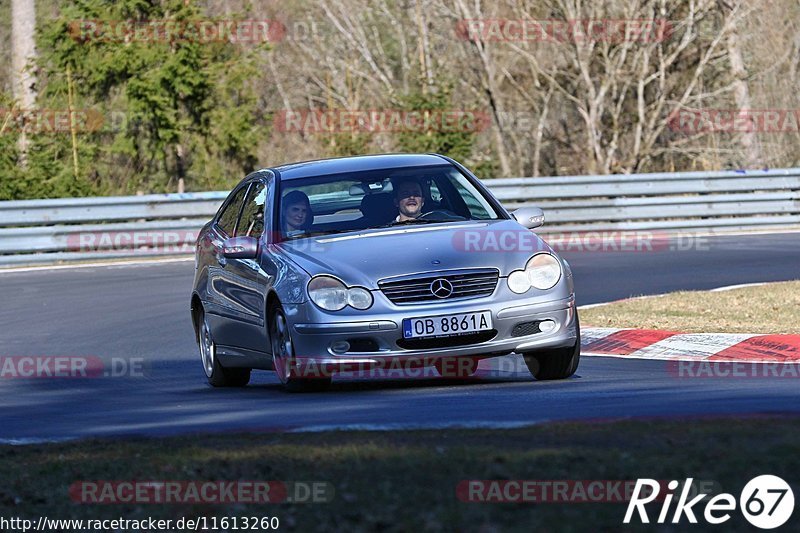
(770, 309)
(406, 481)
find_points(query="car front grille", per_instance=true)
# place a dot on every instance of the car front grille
(465, 284)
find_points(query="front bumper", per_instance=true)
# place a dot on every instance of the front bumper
(379, 339)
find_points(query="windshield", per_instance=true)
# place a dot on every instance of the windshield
(376, 199)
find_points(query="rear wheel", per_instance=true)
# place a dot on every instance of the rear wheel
(555, 364)
(283, 356)
(218, 376)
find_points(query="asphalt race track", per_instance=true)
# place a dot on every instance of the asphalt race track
(141, 311)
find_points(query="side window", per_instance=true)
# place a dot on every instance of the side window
(436, 195)
(441, 201)
(227, 219)
(478, 207)
(252, 222)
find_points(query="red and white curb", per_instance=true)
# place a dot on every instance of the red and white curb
(667, 346)
(674, 346)
(709, 348)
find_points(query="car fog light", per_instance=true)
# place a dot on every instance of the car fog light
(546, 326)
(340, 346)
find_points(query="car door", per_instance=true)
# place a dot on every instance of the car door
(247, 282)
(223, 312)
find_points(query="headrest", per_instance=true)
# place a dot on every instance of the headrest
(379, 208)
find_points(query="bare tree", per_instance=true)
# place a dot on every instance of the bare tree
(489, 81)
(560, 106)
(741, 89)
(23, 52)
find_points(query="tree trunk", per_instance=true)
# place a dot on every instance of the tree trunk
(23, 52)
(741, 92)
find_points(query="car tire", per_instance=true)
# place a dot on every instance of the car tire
(217, 375)
(283, 356)
(555, 364)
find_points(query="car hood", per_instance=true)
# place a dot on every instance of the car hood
(363, 258)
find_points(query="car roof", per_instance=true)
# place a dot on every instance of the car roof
(323, 167)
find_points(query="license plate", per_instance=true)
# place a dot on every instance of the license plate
(447, 325)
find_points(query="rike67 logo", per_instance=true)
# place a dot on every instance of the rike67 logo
(766, 502)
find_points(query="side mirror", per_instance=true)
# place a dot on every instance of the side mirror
(530, 217)
(240, 248)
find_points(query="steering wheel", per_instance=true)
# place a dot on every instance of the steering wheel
(441, 213)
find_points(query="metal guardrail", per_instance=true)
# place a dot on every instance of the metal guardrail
(39, 231)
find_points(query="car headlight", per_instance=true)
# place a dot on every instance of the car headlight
(332, 295)
(518, 282)
(359, 298)
(328, 293)
(541, 272)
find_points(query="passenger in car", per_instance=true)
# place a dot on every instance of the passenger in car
(296, 214)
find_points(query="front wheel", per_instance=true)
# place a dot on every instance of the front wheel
(283, 356)
(555, 364)
(218, 376)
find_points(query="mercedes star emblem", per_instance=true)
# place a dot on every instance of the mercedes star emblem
(441, 288)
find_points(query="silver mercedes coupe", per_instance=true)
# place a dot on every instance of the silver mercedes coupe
(384, 261)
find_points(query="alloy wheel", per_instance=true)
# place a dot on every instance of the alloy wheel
(282, 349)
(207, 348)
